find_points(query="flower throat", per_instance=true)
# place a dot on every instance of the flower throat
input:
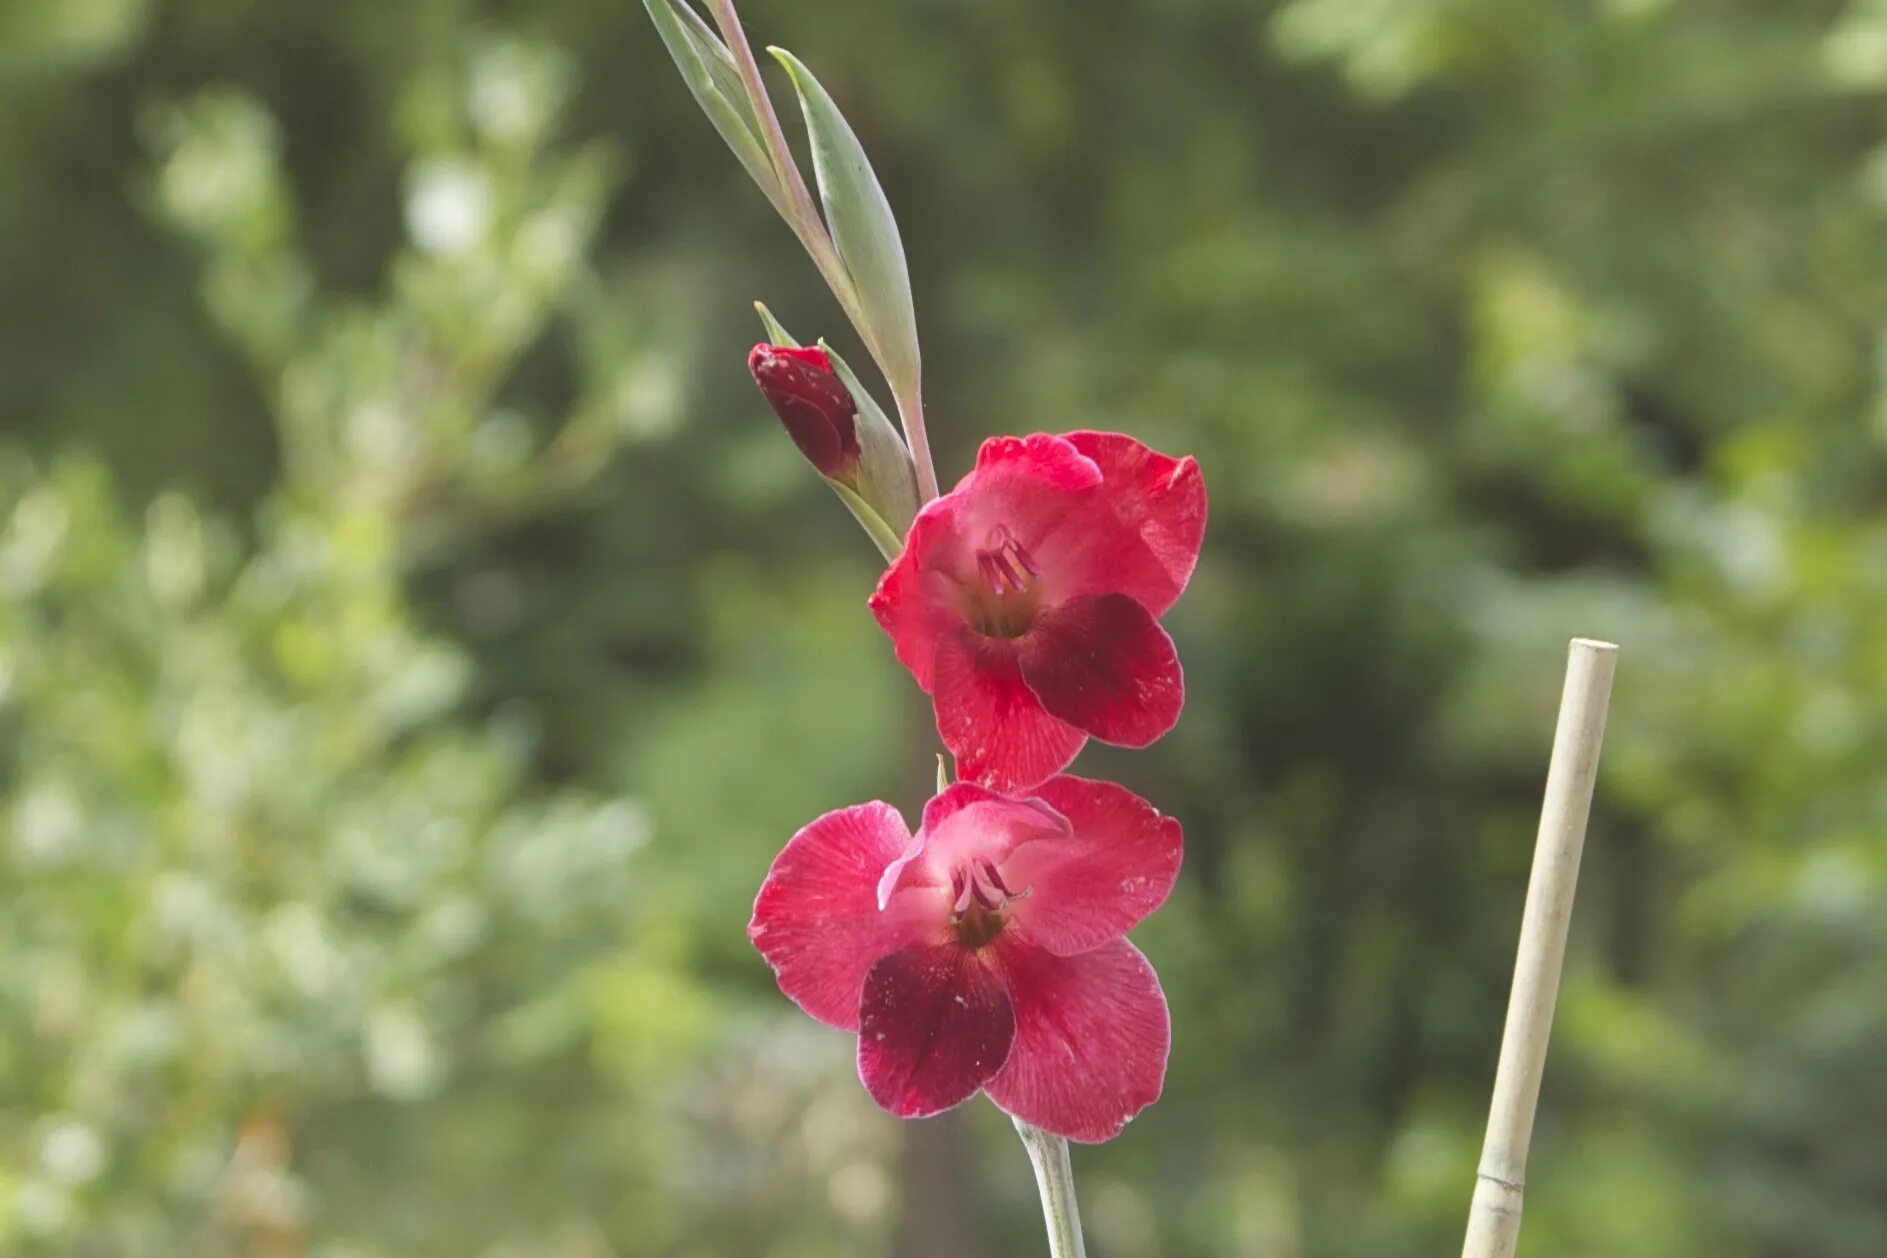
(981, 897)
(1005, 605)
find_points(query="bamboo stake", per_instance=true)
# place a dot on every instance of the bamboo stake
(1494, 1218)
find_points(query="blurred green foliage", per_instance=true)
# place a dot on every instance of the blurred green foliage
(416, 639)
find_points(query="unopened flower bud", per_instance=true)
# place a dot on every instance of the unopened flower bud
(813, 403)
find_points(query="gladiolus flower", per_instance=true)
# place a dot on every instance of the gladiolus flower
(987, 953)
(811, 400)
(1026, 600)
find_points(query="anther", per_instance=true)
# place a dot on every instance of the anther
(995, 879)
(1005, 565)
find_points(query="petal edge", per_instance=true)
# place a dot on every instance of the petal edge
(991, 720)
(816, 919)
(1102, 663)
(1117, 865)
(1091, 1043)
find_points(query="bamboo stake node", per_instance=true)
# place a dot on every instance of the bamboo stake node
(1500, 1186)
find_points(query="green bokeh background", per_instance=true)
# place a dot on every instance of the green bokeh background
(416, 637)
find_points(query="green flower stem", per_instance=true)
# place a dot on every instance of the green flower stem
(1056, 1180)
(911, 415)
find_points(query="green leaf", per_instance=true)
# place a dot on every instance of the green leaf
(882, 535)
(859, 217)
(777, 334)
(708, 69)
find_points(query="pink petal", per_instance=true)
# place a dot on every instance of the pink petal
(894, 872)
(990, 719)
(958, 796)
(1018, 472)
(1140, 535)
(1091, 1038)
(817, 920)
(934, 1025)
(1116, 866)
(917, 601)
(968, 821)
(1103, 664)
(1027, 485)
(1029, 489)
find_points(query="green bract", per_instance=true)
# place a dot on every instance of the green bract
(859, 217)
(885, 474)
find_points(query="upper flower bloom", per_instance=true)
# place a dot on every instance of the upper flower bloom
(1026, 600)
(986, 952)
(813, 403)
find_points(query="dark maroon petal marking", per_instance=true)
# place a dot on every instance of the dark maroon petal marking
(1103, 664)
(934, 1025)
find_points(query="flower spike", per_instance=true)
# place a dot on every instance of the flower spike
(850, 235)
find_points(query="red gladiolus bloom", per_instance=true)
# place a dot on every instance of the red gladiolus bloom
(813, 403)
(985, 953)
(1026, 600)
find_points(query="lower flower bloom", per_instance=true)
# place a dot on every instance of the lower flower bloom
(985, 953)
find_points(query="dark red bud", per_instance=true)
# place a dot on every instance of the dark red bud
(812, 402)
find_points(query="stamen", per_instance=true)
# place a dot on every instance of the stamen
(1018, 580)
(986, 896)
(995, 878)
(964, 888)
(1005, 565)
(980, 899)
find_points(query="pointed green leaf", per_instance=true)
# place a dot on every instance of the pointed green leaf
(718, 61)
(708, 69)
(777, 334)
(859, 217)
